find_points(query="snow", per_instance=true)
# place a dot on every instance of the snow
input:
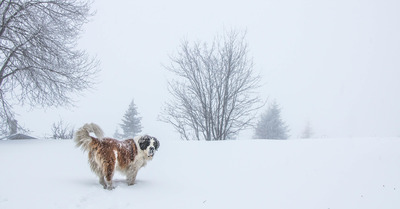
(307, 173)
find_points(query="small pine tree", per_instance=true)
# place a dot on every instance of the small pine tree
(271, 126)
(131, 122)
(307, 132)
(117, 134)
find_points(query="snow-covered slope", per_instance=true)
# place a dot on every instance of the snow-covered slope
(314, 173)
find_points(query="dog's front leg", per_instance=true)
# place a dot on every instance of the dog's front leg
(131, 177)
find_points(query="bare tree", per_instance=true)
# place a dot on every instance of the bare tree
(62, 131)
(214, 97)
(39, 62)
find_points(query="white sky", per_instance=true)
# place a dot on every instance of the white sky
(333, 63)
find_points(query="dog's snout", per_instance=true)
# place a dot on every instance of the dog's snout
(151, 151)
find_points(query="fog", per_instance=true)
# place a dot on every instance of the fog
(333, 63)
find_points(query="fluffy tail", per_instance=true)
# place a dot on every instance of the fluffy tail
(82, 137)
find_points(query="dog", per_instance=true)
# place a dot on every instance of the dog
(107, 154)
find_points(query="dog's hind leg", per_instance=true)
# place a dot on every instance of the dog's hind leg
(102, 182)
(108, 183)
(109, 173)
(97, 169)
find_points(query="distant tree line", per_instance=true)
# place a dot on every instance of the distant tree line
(214, 91)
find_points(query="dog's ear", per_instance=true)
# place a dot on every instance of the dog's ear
(156, 143)
(144, 142)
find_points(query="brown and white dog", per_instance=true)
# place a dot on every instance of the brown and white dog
(107, 154)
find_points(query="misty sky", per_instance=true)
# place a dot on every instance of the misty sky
(333, 63)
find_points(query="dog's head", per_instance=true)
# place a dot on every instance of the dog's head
(149, 145)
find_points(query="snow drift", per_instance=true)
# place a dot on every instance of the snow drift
(313, 173)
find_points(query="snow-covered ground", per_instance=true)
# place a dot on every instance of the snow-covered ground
(313, 173)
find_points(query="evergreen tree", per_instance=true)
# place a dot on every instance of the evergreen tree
(307, 132)
(271, 126)
(131, 122)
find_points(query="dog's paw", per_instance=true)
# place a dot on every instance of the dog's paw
(108, 187)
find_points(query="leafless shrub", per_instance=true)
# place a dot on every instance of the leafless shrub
(60, 130)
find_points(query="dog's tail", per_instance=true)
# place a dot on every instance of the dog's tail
(82, 137)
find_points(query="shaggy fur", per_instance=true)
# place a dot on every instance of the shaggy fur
(107, 154)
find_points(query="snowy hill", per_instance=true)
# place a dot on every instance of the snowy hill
(315, 173)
